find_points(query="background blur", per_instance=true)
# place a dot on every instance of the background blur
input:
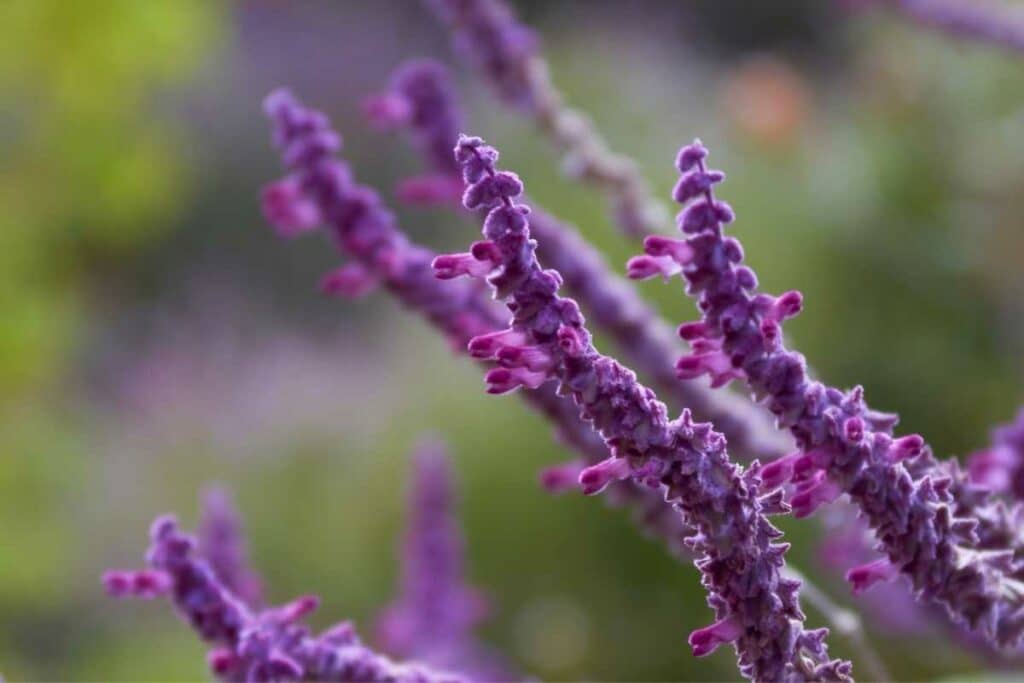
(155, 335)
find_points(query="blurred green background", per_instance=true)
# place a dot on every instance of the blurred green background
(156, 336)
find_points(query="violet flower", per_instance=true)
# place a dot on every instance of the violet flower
(955, 546)
(435, 614)
(485, 33)
(646, 340)
(363, 229)
(1000, 467)
(418, 100)
(249, 645)
(756, 608)
(222, 544)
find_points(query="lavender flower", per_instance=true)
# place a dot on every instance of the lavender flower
(362, 228)
(458, 310)
(486, 34)
(435, 614)
(266, 645)
(740, 563)
(645, 338)
(418, 100)
(222, 543)
(955, 546)
(1000, 467)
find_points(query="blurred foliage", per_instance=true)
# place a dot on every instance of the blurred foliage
(89, 171)
(89, 166)
(873, 165)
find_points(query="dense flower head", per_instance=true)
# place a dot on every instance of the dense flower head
(434, 617)
(467, 316)
(249, 645)
(547, 341)
(933, 526)
(364, 230)
(645, 338)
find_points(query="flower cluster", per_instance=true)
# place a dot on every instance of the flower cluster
(432, 621)
(254, 645)
(547, 340)
(645, 338)
(433, 618)
(322, 187)
(956, 546)
(486, 34)
(457, 309)
(419, 100)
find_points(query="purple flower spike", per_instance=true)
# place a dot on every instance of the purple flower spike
(614, 307)
(419, 99)
(739, 560)
(436, 612)
(935, 527)
(365, 230)
(222, 544)
(251, 646)
(487, 35)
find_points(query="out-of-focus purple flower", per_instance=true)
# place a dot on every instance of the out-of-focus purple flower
(254, 646)
(460, 310)
(424, 89)
(486, 34)
(847, 543)
(435, 614)
(645, 339)
(739, 560)
(1000, 467)
(365, 230)
(222, 544)
(954, 545)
